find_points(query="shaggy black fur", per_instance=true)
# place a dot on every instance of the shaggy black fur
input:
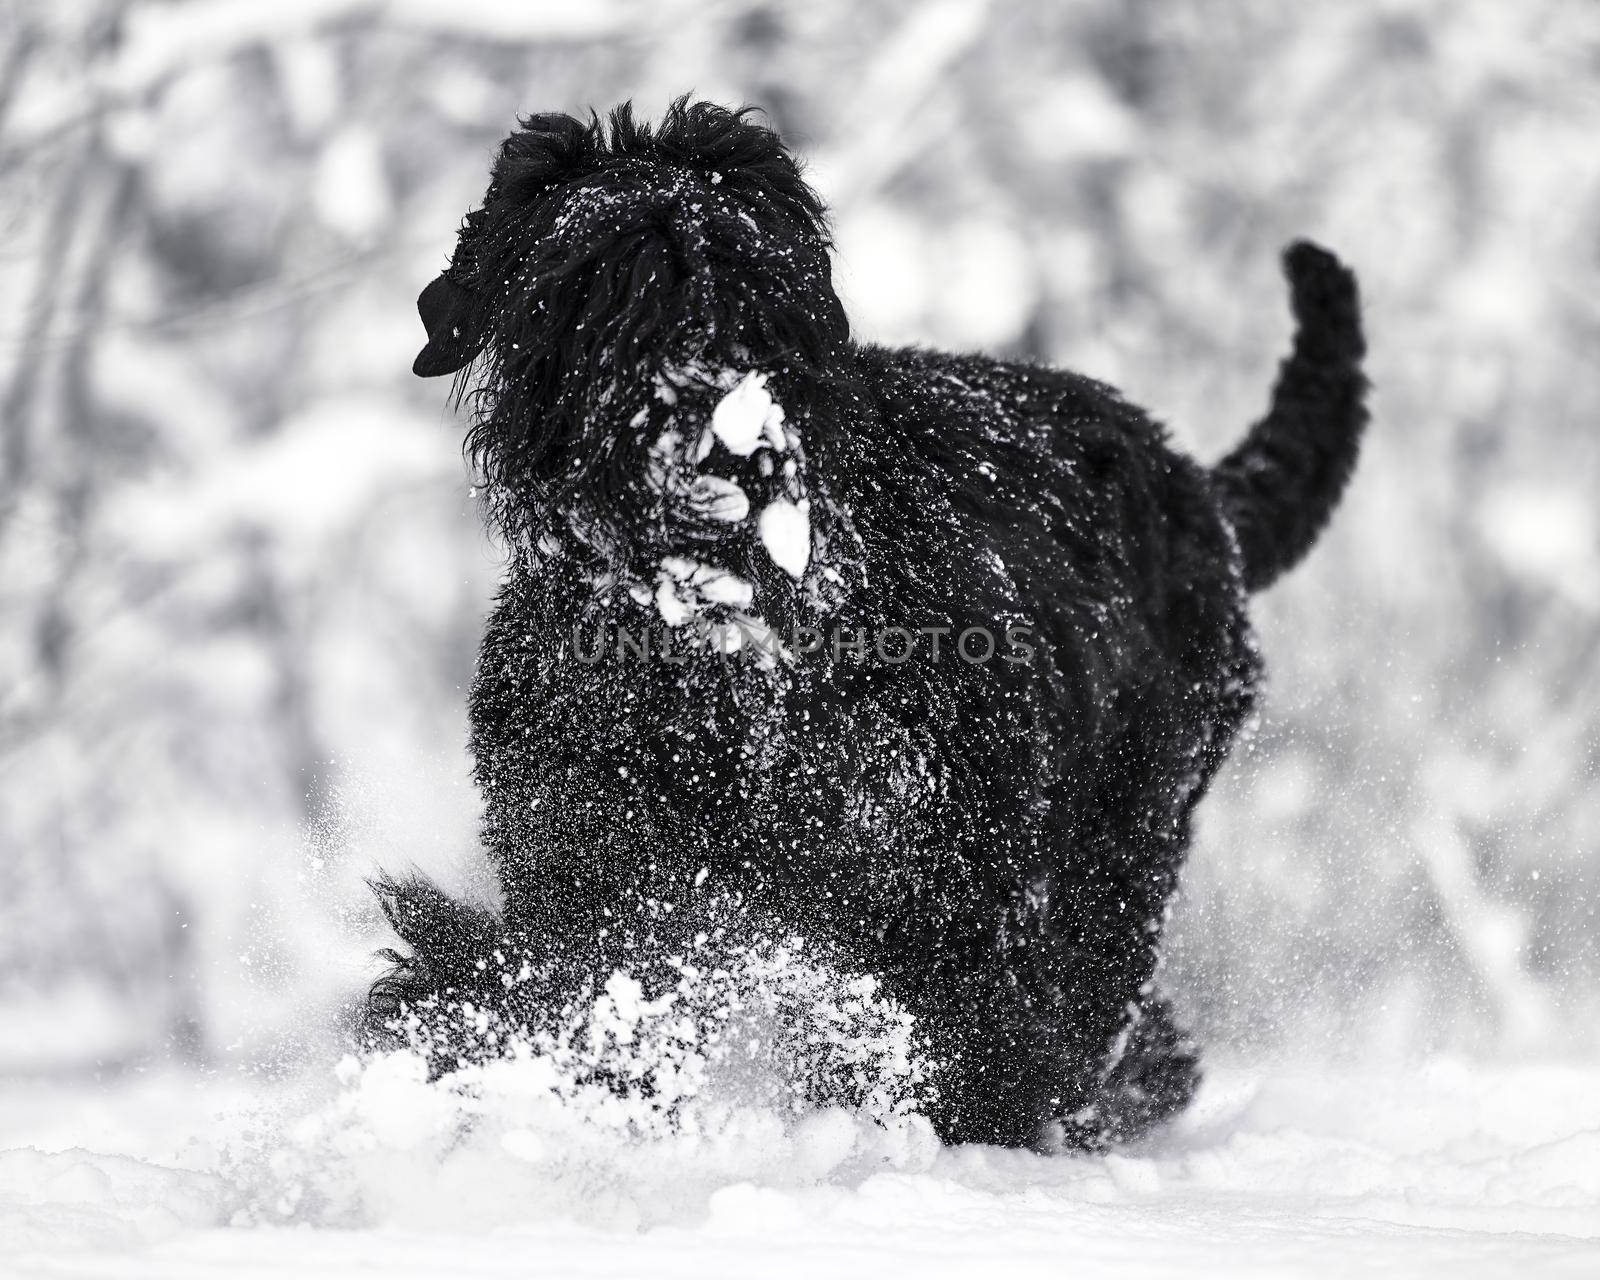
(998, 841)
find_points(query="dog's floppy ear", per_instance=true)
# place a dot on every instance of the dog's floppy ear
(455, 336)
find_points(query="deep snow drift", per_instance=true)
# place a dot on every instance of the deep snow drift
(528, 1166)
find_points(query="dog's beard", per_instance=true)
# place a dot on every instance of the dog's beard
(710, 519)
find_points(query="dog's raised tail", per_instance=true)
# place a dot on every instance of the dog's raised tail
(1281, 483)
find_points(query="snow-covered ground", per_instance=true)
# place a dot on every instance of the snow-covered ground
(1446, 1167)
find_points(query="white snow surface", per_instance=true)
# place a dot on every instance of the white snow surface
(747, 417)
(785, 529)
(685, 587)
(719, 499)
(1445, 1168)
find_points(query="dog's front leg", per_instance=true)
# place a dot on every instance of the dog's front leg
(1005, 1071)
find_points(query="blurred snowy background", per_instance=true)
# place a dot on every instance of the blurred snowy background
(242, 575)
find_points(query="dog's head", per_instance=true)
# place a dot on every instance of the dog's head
(699, 231)
(602, 256)
(642, 318)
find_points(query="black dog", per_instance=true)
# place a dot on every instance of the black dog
(942, 651)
